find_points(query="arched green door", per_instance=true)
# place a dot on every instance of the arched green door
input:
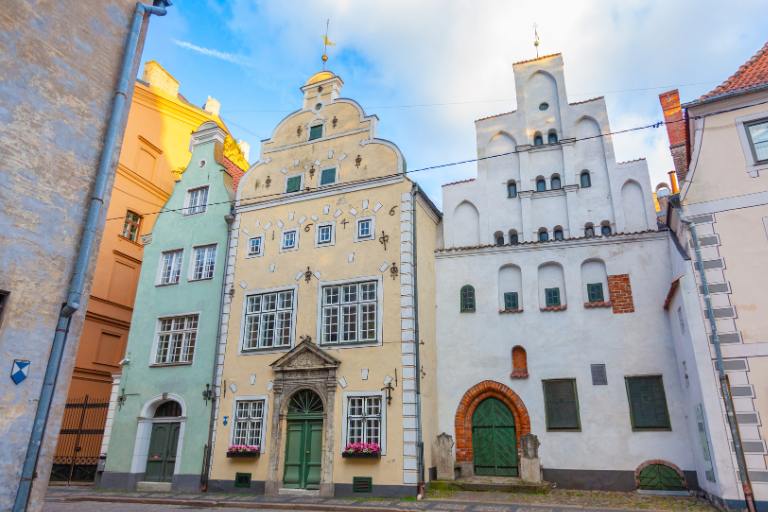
(494, 443)
(304, 441)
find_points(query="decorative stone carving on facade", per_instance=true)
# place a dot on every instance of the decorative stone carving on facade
(306, 355)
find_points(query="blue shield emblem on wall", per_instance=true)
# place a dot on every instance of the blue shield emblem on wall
(19, 370)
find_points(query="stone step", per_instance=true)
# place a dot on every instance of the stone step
(284, 491)
(491, 484)
(153, 486)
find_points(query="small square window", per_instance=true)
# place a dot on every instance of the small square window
(289, 240)
(293, 184)
(510, 300)
(131, 226)
(552, 297)
(595, 292)
(758, 140)
(325, 234)
(365, 229)
(197, 201)
(328, 177)
(255, 245)
(315, 132)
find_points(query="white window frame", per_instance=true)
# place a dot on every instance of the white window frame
(379, 312)
(382, 428)
(193, 260)
(249, 254)
(301, 182)
(332, 241)
(296, 240)
(160, 268)
(292, 342)
(156, 340)
(264, 417)
(753, 167)
(188, 209)
(357, 229)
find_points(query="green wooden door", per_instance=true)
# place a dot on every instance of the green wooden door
(161, 458)
(494, 443)
(303, 449)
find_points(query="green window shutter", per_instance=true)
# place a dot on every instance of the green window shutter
(595, 292)
(293, 184)
(467, 299)
(328, 176)
(552, 297)
(561, 404)
(647, 403)
(510, 300)
(315, 132)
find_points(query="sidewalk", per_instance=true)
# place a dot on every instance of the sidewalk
(561, 501)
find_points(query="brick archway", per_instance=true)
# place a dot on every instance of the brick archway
(468, 404)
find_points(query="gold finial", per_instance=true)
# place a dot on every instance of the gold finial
(326, 43)
(536, 40)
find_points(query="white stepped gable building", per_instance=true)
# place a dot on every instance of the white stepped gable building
(550, 293)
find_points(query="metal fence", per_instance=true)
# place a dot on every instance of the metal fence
(82, 429)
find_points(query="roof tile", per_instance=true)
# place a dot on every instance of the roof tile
(752, 73)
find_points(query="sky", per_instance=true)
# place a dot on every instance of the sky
(429, 68)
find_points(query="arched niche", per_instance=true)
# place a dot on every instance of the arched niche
(510, 282)
(551, 277)
(505, 161)
(466, 225)
(633, 204)
(594, 281)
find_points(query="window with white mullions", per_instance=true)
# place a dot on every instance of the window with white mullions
(176, 339)
(268, 320)
(365, 229)
(197, 201)
(364, 419)
(204, 262)
(249, 420)
(350, 313)
(170, 267)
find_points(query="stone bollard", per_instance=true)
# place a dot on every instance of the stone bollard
(530, 466)
(442, 456)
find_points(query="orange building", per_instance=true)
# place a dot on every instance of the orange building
(155, 151)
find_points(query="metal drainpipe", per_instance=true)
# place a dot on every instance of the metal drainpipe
(230, 218)
(88, 240)
(419, 438)
(725, 386)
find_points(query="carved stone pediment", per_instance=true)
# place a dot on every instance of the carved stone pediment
(305, 356)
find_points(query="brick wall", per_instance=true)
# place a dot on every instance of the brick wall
(620, 290)
(676, 131)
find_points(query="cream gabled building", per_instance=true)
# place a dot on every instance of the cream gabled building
(330, 285)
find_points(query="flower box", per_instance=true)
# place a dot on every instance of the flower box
(243, 450)
(360, 455)
(237, 455)
(362, 451)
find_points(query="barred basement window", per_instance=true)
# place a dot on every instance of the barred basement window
(249, 421)
(170, 266)
(467, 299)
(552, 297)
(350, 313)
(364, 420)
(131, 226)
(203, 262)
(561, 405)
(510, 300)
(647, 403)
(268, 320)
(197, 201)
(176, 339)
(595, 292)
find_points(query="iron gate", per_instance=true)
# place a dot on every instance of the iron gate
(79, 446)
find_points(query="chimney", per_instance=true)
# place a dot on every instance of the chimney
(677, 131)
(673, 182)
(245, 149)
(212, 106)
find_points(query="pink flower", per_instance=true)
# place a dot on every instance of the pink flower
(372, 448)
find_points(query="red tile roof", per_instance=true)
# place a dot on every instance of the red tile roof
(751, 74)
(233, 170)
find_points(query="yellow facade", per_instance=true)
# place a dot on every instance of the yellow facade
(369, 185)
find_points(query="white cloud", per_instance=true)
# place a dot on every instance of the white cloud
(216, 54)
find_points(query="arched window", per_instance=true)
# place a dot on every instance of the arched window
(467, 299)
(605, 228)
(519, 363)
(511, 189)
(498, 238)
(558, 233)
(552, 137)
(513, 238)
(589, 230)
(585, 179)
(538, 140)
(169, 409)
(554, 182)
(541, 184)
(543, 235)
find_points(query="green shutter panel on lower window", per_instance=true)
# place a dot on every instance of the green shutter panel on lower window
(293, 184)
(328, 176)
(648, 403)
(510, 300)
(562, 409)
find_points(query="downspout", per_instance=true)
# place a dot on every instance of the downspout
(91, 230)
(725, 386)
(230, 219)
(419, 436)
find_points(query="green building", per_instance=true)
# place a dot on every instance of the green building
(157, 431)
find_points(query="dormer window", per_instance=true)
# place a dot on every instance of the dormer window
(552, 137)
(554, 182)
(315, 132)
(511, 189)
(541, 184)
(538, 140)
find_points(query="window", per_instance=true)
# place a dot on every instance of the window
(325, 234)
(467, 299)
(589, 230)
(3, 301)
(350, 313)
(364, 420)
(498, 238)
(555, 183)
(511, 189)
(552, 137)
(538, 140)
(758, 139)
(543, 105)
(551, 297)
(176, 339)
(131, 226)
(293, 184)
(605, 229)
(170, 267)
(365, 229)
(289, 240)
(203, 262)
(197, 201)
(541, 184)
(647, 403)
(315, 132)
(513, 238)
(255, 246)
(510, 300)
(595, 292)
(561, 404)
(558, 233)
(249, 422)
(543, 235)
(268, 320)
(585, 179)
(327, 177)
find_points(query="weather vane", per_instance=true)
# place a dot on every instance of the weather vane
(326, 43)
(536, 40)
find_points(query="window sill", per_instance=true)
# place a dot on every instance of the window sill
(166, 284)
(254, 255)
(186, 214)
(467, 311)
(126, 239)
(166, 365)
(600, 304)
(372, 343)
(652, 429)
(201, 279)
(506, 311)
(265, 350)
(553, 308)
(363, 239)
(519, 374)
